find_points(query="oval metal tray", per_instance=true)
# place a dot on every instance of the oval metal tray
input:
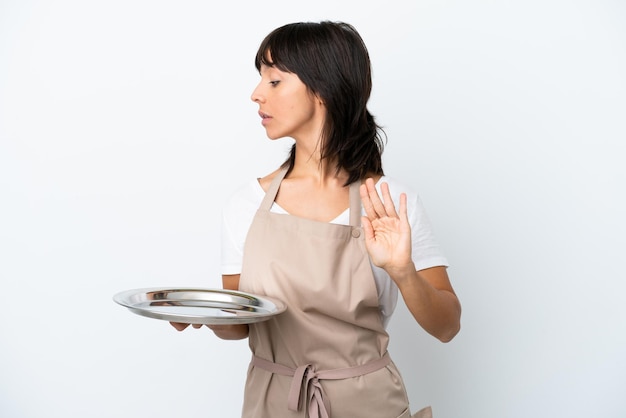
(200, 306)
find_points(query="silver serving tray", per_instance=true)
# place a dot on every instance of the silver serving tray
(200, 306)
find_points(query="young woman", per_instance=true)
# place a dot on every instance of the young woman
(331, 236)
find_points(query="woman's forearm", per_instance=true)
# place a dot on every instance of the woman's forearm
(431, 300)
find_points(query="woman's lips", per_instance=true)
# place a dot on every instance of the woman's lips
(265, 118)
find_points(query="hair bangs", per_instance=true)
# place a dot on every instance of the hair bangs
(280, 49)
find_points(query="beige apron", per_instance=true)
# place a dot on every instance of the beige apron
(326, 355)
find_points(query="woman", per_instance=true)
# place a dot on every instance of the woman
(323, 234)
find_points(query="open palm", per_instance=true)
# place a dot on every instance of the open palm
(387, 232)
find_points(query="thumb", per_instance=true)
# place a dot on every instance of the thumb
(368, 229)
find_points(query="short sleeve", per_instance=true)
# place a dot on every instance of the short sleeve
(237, 216)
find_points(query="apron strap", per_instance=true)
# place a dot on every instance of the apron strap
(306, 379)
(355, 197)
(272, 191)
(355, 204)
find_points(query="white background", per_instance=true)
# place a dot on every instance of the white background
(125, 124)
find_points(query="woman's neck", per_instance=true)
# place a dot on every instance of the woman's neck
(307, 166)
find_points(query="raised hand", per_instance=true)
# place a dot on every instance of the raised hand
(387, 232)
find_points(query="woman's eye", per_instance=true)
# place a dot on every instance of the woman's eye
(274, 83)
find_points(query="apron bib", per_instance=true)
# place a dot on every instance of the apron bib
(326, 355)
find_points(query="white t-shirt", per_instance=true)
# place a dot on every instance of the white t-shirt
(240, 209)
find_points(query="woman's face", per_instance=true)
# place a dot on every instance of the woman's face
(287, 108)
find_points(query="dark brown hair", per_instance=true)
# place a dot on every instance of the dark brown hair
(332, 60)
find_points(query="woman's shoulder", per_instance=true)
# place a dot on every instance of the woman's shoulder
(250, 194)
(266, 180)
(397, 186)
(246, 195)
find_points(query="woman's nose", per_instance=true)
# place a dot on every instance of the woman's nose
(257, 97)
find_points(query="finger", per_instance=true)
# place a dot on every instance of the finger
(196, 326)
(179, 325)
(405, 224)
(390, 208)
(376, 202)
(403, 208)
(368, 229)
(367, 203)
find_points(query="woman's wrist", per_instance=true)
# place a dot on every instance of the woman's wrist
(402, 275)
